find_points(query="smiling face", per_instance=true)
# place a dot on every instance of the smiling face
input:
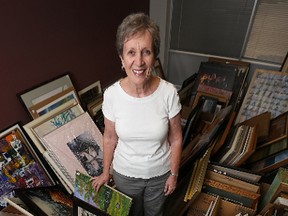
(138, 57)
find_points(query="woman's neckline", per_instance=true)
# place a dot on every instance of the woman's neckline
(155, 83)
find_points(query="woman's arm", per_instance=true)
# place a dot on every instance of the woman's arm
(110, 139)
(175, 141)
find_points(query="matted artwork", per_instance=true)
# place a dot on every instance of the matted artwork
(77, 145)
(107, 199)
(45, 93)
(48, 122)
(20, 165)
(268, 91)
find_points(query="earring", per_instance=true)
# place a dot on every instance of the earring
(148, 74)
(122, 68)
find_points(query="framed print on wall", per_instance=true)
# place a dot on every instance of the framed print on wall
(44, 94)
(20, 165)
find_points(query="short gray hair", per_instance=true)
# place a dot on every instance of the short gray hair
(133, 24)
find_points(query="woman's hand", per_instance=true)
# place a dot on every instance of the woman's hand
(170, 185)
(98, 181)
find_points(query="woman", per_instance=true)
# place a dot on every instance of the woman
(142, 134)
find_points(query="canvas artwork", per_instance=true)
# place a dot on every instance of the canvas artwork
(20, 166)
(268, 91)
(77, 145)
(107, 199)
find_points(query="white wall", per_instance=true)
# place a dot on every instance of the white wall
(160, 12)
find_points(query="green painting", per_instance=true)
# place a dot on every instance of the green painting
(107, 199)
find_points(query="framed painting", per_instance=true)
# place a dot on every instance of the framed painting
(218, 78)
(90, 94)
(20, 165)
(47, 91)
(107, 199)
(267, 91)
(46, 201)
(48, 122)
(77, 145)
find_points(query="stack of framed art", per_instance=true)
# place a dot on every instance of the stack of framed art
(48, 95)
(63, 137)
(91, 99)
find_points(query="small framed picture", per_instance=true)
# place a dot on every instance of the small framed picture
(90, 94)
(48, 95)
(20, 164)
(95, 106)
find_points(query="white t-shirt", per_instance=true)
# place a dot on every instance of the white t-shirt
(142, 125)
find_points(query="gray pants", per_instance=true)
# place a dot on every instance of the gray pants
(147, 194)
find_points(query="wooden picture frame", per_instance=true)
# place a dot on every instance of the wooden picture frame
(77, 145)
(46, 92)
(158, 69)
(90, 94)
(271, 163)
(48, 122)
(20, 164)
(267, 91)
